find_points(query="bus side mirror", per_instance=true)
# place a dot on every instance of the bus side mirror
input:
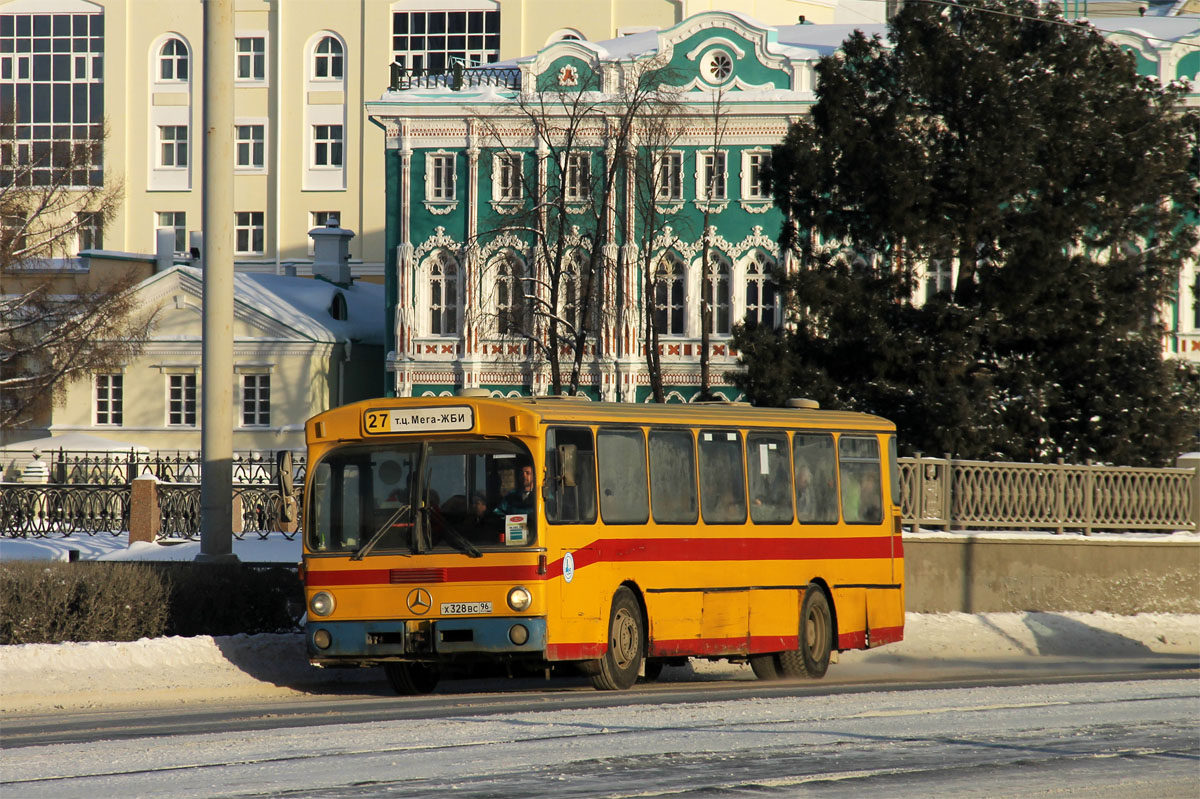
(566, 465)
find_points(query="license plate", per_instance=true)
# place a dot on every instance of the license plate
(465, 608)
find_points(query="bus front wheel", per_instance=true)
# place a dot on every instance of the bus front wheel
(410, 679)
(816, 638)
(618, 668)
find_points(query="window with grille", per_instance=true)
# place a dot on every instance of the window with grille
(327, 145)
(173, 61)
(181, 400)
(440, 179)
(433, 41)
(256, 400)
(755, 186)
(248, 233)
(89, 230)
(328, 59)
(669, 181)
(175, 221)
(443, 295)
(251, 146)
(712, 176)
(577, 177)
(251, 58)
(506, 183)
(172, 146)
(669, 305)
(761, 291)
(109, 399)
(717, 294)
(510, 296)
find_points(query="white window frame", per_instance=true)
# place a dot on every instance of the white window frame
(331, 60)
(174, 60)
(256, 400)
(577, 177)
(720, 272)
(89, 231)
(507, 169)
(247, 224)
(254, 148)
(761, 278)
(170, 147)
(108, 389)
(669, 177)
(752, 166)
(706, 161)
(250, 66)
(441, 310)
(179, 230)
(182, 411)
(440, 167)
(328, 149)
(676, 277)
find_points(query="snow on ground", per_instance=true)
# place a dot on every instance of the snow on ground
(43, 677)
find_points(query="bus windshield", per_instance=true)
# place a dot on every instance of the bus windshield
(413, 498)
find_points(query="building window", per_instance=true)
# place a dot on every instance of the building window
(109, 399)
(327, 59)
(251, 146)
(12, 227)
(577, 177)
(712, 176)
(172, 146)
(256, 400)
(939, 277)
(669, 179)
(761, 290)
(251, 58)
(434, 40)
(318, 219)
(510, 296)
(175, 221)
(669, 277)
(716, 293)
(716, 66)
(52, 88)
(327, 145)
(573, 289)
(443, 295)
(181, 400)
(173, 61)
(754, 184)
(506, 177)
(248, 233)
(89, 230)
(439, 181)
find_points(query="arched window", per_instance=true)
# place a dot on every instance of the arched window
(328, 59)
(510, 296)
(761, 290)
(669, 276)
(443, 295)
(173, 61)
(716, 293)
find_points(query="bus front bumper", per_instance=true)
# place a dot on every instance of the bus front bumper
(365, 641)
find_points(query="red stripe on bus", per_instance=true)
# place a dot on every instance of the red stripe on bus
(585, 651)
(673, 550)
(879, 636)
(739, 645)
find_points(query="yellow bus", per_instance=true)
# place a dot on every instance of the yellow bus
(445, 533)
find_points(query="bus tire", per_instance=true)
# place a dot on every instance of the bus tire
(618, 668)
(764, 666)
(816, 638)
(410, 679)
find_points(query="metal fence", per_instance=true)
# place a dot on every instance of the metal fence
(88, 467)
(257, 511)
(455, 78)
(960, 494)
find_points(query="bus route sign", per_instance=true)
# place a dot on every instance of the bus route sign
(444, 419)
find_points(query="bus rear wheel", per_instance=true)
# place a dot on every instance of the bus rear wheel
(766, 667)
(410, 679)
(618, 668)
(816, 638)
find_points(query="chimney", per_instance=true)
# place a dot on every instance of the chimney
(331, 252)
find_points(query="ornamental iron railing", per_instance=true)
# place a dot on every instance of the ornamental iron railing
(960, 494)
(257, 509)
(456, 78)
(43, 511)
(87, 467)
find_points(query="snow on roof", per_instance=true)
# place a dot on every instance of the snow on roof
(303, 304)
(1153, 27)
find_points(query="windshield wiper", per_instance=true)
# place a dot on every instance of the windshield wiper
(455, 537)
(381, 532)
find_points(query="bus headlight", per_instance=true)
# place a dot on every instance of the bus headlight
(519, 598)
(322, 639)
(321, 604)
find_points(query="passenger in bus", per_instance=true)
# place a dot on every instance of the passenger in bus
(520, 499)
(806, 494)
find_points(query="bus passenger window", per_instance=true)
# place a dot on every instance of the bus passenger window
(815, 470)
(770, 478)
(673, 477)
(722, 477)
(622, 458)
(862, 496)
(569, 485)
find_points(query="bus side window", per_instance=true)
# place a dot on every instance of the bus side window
(570, 448)
(815, 469)
(894, 469)
(673, 477)
(722, 477)
(770, 473)
(622, 458)
(862, 495)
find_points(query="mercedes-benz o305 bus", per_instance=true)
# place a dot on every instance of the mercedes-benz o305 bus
(445, 533)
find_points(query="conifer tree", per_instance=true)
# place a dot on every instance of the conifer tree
(1026, 151)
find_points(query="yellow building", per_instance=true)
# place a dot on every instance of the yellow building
(304, 148)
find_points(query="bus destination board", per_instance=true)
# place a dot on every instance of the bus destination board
(393, 421)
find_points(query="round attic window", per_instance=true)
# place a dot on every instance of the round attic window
(716, 66)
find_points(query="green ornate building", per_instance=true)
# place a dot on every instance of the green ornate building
(508, 185)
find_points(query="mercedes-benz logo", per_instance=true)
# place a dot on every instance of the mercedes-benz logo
(419, 601)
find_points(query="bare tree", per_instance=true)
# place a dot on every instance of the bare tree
(567, 211)
(714, 172)
(54, 199)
